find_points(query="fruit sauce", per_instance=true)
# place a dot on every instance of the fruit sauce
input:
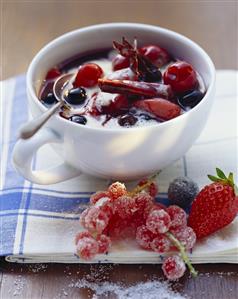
(145, 87)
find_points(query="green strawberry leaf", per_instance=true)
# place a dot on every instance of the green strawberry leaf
(231, 178)
(213, 178)
(221, 174)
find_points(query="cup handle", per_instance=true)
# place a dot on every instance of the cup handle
(24, 152)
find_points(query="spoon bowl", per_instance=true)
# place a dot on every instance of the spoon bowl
(60, 86)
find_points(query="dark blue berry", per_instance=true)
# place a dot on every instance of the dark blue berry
(191, 99)
(182, 191)
(127, 120)
(76, 96)
(49, 99)
(79, 119)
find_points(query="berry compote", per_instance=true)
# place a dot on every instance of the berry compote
(128, 86)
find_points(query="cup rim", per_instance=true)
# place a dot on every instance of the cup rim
(122, 25)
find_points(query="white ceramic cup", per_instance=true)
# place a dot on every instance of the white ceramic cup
(116, 153)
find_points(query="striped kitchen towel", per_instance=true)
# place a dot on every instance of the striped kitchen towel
(38, 223)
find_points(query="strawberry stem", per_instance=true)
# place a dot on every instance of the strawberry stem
(138, 189)
(183, 253)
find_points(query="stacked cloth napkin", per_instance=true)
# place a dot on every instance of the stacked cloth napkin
(38, 223)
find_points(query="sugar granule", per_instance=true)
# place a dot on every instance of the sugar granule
(19, 284)
(37, 268)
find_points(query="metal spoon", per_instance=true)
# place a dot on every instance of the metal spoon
(60, 85)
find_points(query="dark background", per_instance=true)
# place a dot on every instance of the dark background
(29, 25)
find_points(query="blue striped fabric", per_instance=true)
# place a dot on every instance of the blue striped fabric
(17, 199)
(23, 204)
(11, 203)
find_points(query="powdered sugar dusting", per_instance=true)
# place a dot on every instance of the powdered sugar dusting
(100, 283)
(148, 290)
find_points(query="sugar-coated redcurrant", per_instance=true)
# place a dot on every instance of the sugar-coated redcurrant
(177, 215)
(82, 235)
(88, 75)
(107, 207)
(96, 220)
(186, 236)
(144, 237)
(173, 267)
(98, 195)
(82, 217)
(158, 221)
(104, 243)
(181, 76)
(87, 248)
(144, 203)
(102, 201)
(125, 207)
(160, 243)
(116, 190)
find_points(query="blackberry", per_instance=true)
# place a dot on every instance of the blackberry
(76, 96)
(190, 99)
(49, 99)
(127, 120)
(79, 119)
(182, 191)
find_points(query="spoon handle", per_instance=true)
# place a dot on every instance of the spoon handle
(29, 129)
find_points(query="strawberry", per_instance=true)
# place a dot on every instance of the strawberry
(215, 206)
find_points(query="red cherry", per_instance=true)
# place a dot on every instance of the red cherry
(155, 54)
(53, 73)
(120, 62)
(161, 108)
(88, 75)
(181, 76)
